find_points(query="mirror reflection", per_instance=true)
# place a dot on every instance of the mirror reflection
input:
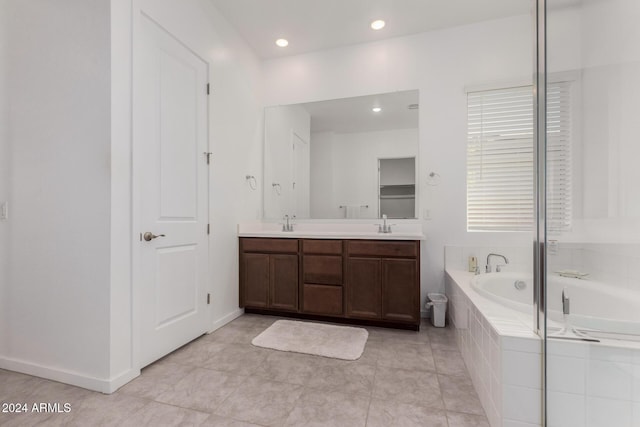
(353, 158)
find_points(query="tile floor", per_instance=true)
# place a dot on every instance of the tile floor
(403, 379)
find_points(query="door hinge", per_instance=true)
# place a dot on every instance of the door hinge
(208, 228)
(208, 156)
(208, 298)
(208, 89)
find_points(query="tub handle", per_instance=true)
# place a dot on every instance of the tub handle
(566, 302)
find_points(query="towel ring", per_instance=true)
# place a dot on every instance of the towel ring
(253, 182)
(433, 179)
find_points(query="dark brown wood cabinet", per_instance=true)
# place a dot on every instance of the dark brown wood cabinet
(254, 279)
(364, 296)
(400, 299)
(359, 281)
(322, 277)
(269, 274)
(383, 280)
(283, 282)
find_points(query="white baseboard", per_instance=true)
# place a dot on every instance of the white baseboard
(226, 319)
(122, 379)
(106, 386)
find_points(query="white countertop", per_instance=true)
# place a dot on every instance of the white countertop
(308, 230)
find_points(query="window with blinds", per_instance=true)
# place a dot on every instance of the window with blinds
(500, 145)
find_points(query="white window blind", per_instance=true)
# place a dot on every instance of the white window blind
(500, 173)
(559, 161)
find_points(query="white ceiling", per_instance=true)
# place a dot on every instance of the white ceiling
(312, 25)
(355, 114)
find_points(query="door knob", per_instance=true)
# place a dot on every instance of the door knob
(149, 236)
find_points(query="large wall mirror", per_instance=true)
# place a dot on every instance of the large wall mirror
(352, 158)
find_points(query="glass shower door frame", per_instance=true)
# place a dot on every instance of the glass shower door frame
(540, 192)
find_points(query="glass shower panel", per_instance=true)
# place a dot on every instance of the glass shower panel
(593, 213)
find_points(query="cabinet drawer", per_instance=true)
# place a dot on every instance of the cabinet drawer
(249, 244)
(322, 269)
(322, 299)
(382, 248)
(326, 247)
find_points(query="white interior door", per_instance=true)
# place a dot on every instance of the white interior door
(301, 176)
(170, 122)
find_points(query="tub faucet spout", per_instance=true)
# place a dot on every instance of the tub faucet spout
(488, 267)
(566, 303)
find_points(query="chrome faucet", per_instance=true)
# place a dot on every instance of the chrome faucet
(498, 267)
(384, 227)
(287, 225)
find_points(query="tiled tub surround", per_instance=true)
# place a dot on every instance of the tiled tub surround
(501, 352)
(589, 384)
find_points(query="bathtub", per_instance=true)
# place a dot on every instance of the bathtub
(493, 320)
(595, 306)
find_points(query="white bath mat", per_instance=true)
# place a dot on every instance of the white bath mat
(338, 342)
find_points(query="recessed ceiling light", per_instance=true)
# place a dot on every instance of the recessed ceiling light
(378, 24)
(282, 42)
(376, 109)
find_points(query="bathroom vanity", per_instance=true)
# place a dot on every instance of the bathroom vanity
(346, 277)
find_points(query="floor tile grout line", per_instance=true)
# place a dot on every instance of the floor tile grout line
(373, 387)
(218, 406)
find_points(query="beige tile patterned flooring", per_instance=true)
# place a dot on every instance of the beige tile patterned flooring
(403, 379)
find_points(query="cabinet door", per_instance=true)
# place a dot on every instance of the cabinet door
(400, 290)
(322, 299)
(255, 280)
(284, 282)
(364, 288)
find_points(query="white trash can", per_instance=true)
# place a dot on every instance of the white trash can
(438, 304)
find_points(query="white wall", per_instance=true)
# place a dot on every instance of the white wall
(121, 367)
(4, 177)
(601, 43)
(611, 104)
(440, 64)
(58, 287)
(69, 295)
(344, 168)
(281, 122)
